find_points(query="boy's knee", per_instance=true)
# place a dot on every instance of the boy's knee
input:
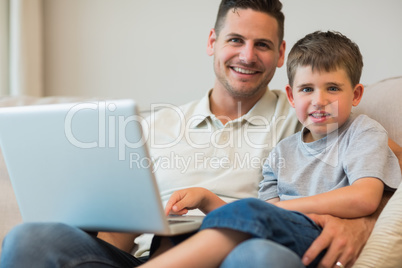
(252, 205)
(249, 208)
(254, 202)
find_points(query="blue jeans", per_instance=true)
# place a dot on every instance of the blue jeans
(261, 253)
(58, 245)
(262, 220)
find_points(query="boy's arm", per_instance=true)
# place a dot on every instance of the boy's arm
(273, 200)
(360, 199)
(191, 198)
(344, 238)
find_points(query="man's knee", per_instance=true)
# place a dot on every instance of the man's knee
(261, 253)
(28, 236)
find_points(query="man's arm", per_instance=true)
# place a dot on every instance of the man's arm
(343, 238)
(396, 149)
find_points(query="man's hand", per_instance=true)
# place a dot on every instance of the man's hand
(191, 198)
(343, 238)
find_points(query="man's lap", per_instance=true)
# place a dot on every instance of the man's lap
(55, 245)
(52, 245)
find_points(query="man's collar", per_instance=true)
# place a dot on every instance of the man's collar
(256, 116)
(202, 111)
(265, 106)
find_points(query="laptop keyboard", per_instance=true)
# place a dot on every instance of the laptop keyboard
(176, 221)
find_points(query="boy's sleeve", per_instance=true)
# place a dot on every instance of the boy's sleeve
(370, 156)
(269, 185)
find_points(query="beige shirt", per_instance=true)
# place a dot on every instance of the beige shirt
(190, 147)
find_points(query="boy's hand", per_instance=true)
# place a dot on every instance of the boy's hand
(191, 198)
(183, 200)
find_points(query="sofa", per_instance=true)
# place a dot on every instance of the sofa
(381, 101)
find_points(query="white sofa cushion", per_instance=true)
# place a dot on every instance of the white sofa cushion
(384, 247)
(382, 102)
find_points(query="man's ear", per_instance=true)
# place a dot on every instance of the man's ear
(211, 42)
(289, 94)
(357, 94)
(282, 50)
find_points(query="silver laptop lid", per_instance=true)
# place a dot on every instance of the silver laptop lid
(84, 164)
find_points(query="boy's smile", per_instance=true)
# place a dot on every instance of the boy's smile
(319, 116)
(323, 100)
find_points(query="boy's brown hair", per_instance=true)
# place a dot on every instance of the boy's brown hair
(326, 51)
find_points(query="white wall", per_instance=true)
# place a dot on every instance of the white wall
(4, 48)
(154, 50)
(374, 25)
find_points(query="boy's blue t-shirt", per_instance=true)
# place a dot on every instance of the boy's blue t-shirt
(358, 149)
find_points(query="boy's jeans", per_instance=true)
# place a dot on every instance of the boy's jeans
(262, 220)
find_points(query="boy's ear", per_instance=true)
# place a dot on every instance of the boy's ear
(211, 42)
(289, 94)
(357, 94)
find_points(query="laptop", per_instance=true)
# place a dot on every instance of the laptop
(87, 165)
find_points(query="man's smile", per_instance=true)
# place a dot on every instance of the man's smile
(243, 71)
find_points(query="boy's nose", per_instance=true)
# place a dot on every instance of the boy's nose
(320, 99)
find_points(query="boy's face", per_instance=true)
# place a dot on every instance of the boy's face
(323, 100)
(246, 52)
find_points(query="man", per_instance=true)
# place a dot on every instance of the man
(246, 53)
(218, 143)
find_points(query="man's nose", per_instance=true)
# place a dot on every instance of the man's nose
(247, 54)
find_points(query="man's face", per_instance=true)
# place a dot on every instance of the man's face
(246, 52)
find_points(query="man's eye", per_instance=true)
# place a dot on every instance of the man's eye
(235, 40)
(263, 45)
(307, 89)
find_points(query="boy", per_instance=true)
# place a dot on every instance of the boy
(339, 164)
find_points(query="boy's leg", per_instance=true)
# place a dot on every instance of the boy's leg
(206, 248)
(226, 227)
(261, 253)
(58, 245)
(263, 220)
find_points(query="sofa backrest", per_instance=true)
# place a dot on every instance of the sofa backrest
(382, 101)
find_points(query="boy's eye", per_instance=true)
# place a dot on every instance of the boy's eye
(307, 89)
(333, 89)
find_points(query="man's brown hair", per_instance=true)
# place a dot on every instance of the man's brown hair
(270, 7)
